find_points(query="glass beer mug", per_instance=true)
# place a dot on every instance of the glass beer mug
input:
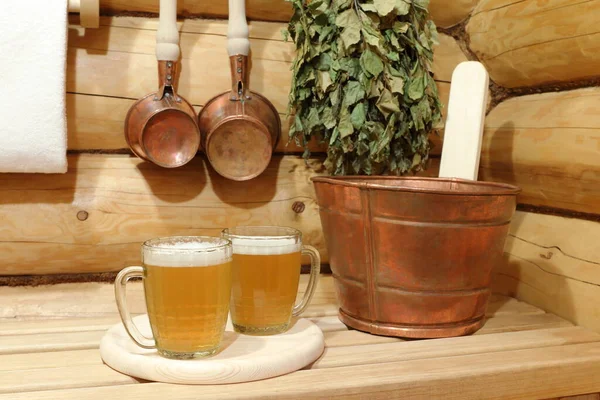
(265, 277)
(187, 284)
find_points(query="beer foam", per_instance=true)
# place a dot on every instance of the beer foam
(186, 253)
(265, 246)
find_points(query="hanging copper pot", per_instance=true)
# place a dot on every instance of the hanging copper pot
(239, 128)
(161, 127)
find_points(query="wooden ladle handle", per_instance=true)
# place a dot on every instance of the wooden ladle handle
(465, 121)
(237, 31)
(167, 36)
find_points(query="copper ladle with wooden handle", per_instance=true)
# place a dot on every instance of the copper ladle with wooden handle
(161, 127)
(239, 128)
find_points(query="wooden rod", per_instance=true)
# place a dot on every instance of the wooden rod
(89, 12)
(74, 6)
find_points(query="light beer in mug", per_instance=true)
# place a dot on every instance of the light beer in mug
(265, 278)
(187, 285)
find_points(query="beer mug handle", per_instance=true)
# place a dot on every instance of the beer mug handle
(315, 271)
(121, 296)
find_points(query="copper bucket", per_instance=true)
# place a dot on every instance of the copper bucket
(413, 257)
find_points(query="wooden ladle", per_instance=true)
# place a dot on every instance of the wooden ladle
(161, 127)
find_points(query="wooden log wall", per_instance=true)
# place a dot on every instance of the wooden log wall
(545, 137)
(445, 15)
(93, 218)
(553, 262)
(532, 43)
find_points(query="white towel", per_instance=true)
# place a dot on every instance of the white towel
(33, 39)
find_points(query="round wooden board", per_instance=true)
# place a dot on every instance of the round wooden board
(241, 359)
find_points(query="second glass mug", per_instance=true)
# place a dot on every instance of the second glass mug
(265, 277)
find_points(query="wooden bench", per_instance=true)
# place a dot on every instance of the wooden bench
(49, 338)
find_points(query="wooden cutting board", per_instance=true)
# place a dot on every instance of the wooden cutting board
(242, 359)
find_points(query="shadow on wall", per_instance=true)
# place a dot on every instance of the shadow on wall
(175, 185)
(40, 188)
(94, 41)
(497, 165)
(497, 156)
(261, 190)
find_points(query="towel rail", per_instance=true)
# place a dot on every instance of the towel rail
(89, 12)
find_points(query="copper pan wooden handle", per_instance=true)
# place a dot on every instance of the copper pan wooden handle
(237, 30)
(167, 36)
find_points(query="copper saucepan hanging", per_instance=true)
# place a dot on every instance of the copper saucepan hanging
(161, 127)
(239, 128)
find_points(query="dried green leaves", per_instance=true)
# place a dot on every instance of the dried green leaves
(362, 82)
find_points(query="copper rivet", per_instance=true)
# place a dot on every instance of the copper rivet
(82, 215)
(298, 207)
(240, 58)
(169, 77)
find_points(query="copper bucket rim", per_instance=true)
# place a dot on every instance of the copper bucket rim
(362, 182)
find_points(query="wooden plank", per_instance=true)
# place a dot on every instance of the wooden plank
(80, 339)
(553, 263)
(120, 62)
(50, 342)
(500, 324)
(97, 375)
(129, 201)
(513, 323)
(88, 300)
(31, 380)
(548, 144)
(91, 306)
(333, 339)
(267, 10)
(526, 43)
(256, 29)
(110, 67)
(518, 374)
(336, 333)
(594, 396)
(445, 14)
(96, 123)
(93, 302)
(57, 325)
(53, 359)
(417, 350)
(504, 305)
